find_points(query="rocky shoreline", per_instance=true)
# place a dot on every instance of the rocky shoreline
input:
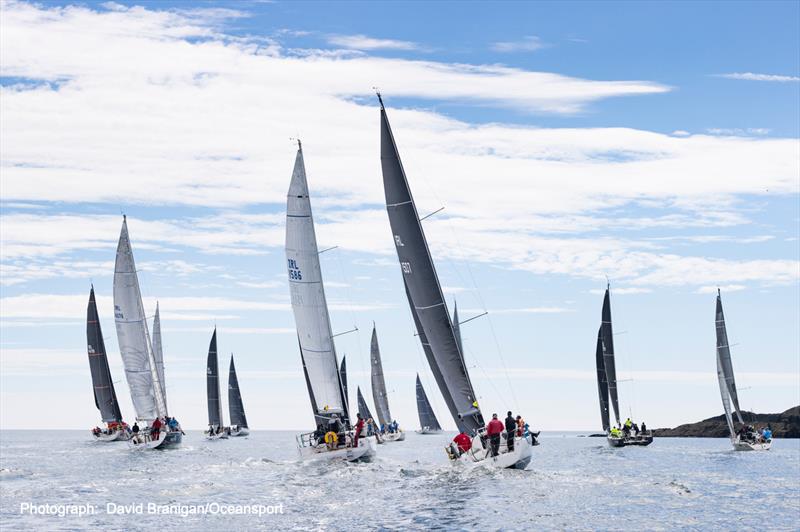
(784, 425)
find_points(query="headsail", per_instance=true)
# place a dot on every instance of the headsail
(726, 398)
(724, 357)
(457, 329)
(363, 409)
(379, 396)
(602, 381)
(158, 353)
(133, 336)
(104, 395)
(607, 334)
(235, 405)
(423, 289)
(426, 416)
(212, 384)
(343, 377)
(310, 308)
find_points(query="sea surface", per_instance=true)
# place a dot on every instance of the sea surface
(572, 483)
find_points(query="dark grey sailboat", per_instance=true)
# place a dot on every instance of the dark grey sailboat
(239, 425)
(343, 377)
(216, 430)
(427, 419)
(429, 310)
(379, 395)
(105, 397)
(618, 435)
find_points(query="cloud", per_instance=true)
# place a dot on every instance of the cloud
(523, 310)
(362, 42)
(530, 43)
(623, 291)
(750, 76)
(738, 131)
(725, 288)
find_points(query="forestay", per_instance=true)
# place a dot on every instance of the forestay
(104, 395)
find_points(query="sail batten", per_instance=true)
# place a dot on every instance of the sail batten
(317, 350)
(105, 397)
(379, 396)
(235, 405)
(427, 418)
(212, 384)
(424, 292)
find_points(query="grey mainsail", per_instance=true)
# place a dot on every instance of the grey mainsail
(602, 381)
(363, 409)
(379, 396)
(457, 329)
(343, 377)
(607, 337)
(317, 350)
(104, 395)
(724, 357)
(423, 289)
(212, 384)
(427, 419)
(158, 353)
(235, 405)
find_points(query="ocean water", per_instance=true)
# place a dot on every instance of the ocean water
(572, 483)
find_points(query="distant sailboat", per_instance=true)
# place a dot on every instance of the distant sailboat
(141, 367)
(105, 397)
(314, 336)
(343, 377)
(379, 395)
(216, 427)
(239, 425)
(432, 319)
(618, 435)
(427, 419)
(744, 440)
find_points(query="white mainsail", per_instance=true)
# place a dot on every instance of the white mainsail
(158, 354)
(308, 300)
(726, 399)
(133, 335)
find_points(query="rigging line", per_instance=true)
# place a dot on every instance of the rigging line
(348, 301)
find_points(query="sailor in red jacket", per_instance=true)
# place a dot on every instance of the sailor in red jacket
(463, 441)
(357, 432)
(493, 430)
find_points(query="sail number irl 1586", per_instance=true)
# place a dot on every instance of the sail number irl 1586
(294, 271)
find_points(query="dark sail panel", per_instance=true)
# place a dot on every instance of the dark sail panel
(724, 351)
(235, 406)
(212, 384)
(457, 330)
(343, 378)
(427, 419)
(363, 409)
(608, 353)
(423, 289)
(104, 395)
(379, 394)
(602, 381)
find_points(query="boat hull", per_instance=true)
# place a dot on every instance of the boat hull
(426, 430)
(117, 435)
(165, 440)
(636, 441)
(389, 437)
(216, 436)
(478, 456)
(365, 452)
(242, 431)
(752, 446)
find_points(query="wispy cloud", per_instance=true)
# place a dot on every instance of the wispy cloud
(724, 288)
(529, 43)
(363, 42)
(738, 131)
(752, 76)
(623, 291)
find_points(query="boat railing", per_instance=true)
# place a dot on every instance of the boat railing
(309, 439)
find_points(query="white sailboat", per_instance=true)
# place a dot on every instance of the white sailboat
(432, 319)
(746, 439)
(334, 438)
(141, 366)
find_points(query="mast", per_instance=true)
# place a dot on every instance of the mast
(158, 353)
(235, 405)
(105, 398)
(423, 289)
(602, 381)
(724, 355)
(133, 336)
(379, 395)
(317, 350)
(607, 340)
(212, 384)
(426, 416)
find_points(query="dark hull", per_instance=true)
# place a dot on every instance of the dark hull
(640, 441)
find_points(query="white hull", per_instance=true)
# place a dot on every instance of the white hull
(519, 458)
(117, 435)
(164, 441)
(364, 452)
(394, 436)
(426, 430)
(221, 436)
(751, 446)
(243, 431)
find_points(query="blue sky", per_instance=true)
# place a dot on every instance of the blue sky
(654, 144)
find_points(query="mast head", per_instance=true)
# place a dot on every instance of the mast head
(380, 100)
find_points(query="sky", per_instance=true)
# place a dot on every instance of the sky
(653, 146)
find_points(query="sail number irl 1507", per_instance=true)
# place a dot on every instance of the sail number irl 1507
(294, 271)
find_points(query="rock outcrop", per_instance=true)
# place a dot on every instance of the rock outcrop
(784, 425)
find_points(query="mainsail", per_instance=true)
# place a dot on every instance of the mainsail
(212, 384)
(317, 350)
(133, 336)
(457, 330)
(724, 358)
(379, 396)
(235, 405)
(423, 289)
(427, 419)
(602, 381)
(343, 377)
(158, 353)
(104, 395)
(363, 409)
(607, 340)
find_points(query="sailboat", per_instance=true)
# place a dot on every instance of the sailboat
(343, 376)
(105, 397)
(314, 336)
(431, 317)
(379, 395)
(747, 439)
(216, 427)
(141, 366)
(235, 406)
(427, 419)
(617, 436)
(366, 415)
